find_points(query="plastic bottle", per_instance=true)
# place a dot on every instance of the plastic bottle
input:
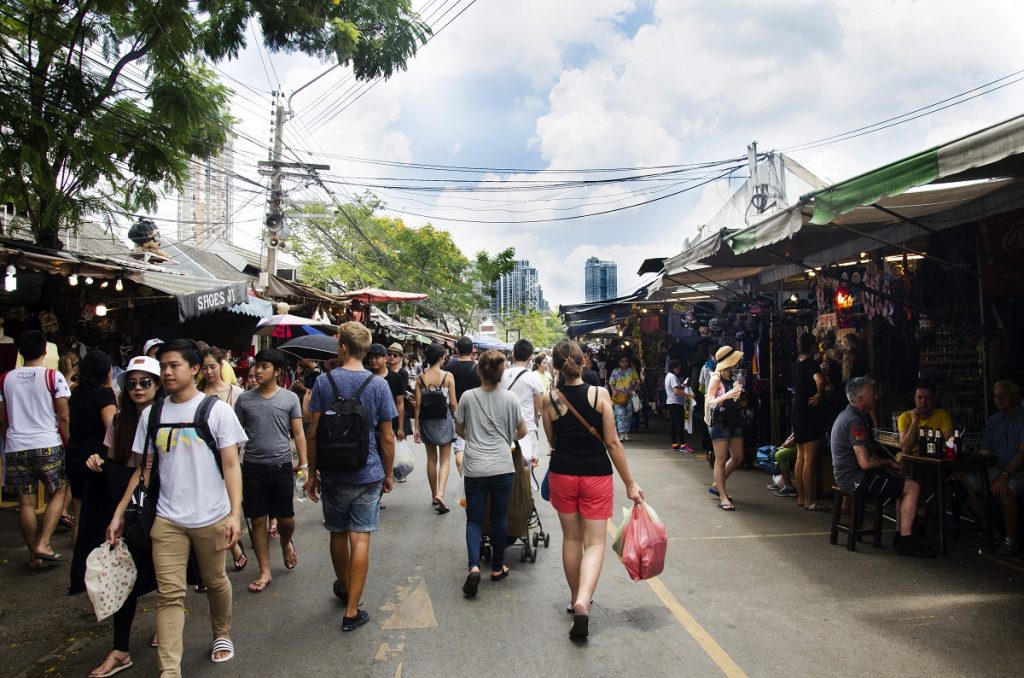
(300, 485)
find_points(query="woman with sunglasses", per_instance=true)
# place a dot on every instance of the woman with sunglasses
(212, 371)
(108, 477)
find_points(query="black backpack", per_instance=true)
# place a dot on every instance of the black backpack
(343, 438)
(201, 425)
(433, 403)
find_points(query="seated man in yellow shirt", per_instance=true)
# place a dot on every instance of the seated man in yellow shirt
(924, 416)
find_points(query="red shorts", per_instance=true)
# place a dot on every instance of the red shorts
(593, 497)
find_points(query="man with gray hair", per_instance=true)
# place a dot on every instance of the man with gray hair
(1004, 439)
(873, 476)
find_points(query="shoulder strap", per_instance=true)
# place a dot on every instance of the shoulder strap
(586, 424)
(334, 387)
(516, 379)
(490, 419)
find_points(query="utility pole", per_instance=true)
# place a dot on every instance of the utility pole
(277, 229)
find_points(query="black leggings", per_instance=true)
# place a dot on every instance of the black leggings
(123, 619)
(677, 417)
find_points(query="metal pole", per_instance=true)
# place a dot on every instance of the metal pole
(275, 218)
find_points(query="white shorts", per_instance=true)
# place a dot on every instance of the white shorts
(459, 444)
(1016, 481)
(528, 444)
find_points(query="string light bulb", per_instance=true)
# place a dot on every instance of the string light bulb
(101, 310)
(88, 280)
(119, 286)
(73, 280)
(11, 280)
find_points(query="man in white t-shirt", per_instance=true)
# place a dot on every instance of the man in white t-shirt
(199, 504)
(34, 421)
(528, 390)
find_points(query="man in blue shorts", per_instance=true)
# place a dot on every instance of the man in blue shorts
(351, 499)
(859, 468)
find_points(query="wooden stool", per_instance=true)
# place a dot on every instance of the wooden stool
(853, 528)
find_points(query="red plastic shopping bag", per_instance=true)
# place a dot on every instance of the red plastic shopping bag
(644, 542)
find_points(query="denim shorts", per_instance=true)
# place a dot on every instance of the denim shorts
(350, 508)
(726, 432)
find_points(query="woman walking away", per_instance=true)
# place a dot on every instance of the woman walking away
(579, 422)
(489, 419)
(91, 408)
(109, 474)
(213, 384)
(722, 409)
(623, 383)
(435, 424)
(808, 421)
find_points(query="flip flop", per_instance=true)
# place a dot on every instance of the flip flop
(119, 666)
(273, 533)
(580, 626)
(290, 565)
(52, 557)
(259, 586)
(222, 645)
(241, 561)
(714, 490)
(34, 564)
(501, 575)
(727, 507)
(441, 509)
(155, 642)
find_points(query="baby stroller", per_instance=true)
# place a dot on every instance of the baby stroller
(522, 516)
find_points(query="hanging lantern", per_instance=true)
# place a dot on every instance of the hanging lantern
(844, 298)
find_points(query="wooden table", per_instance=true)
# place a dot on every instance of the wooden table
(942, 468)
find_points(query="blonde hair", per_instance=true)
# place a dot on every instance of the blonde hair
(567, 357)
(355, 337)
(491, 365)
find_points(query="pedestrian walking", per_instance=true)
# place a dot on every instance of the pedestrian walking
(725, 421)
(489, 419)
(34, 422)
(272, 419)
(528, 389)
(579, 422)
(199, 503)
(108, 474)
(348, 470)
(434, 408)
(463, 368)
(622, 384)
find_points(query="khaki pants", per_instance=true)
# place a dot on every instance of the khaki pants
(170, 559)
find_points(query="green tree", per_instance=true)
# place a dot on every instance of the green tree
(354, 247)
(104, 99)
(542, 328)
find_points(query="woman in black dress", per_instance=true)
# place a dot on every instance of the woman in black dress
(808, 421)
(107, 477)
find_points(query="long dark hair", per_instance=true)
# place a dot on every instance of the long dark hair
(93, 370)
(126, 421)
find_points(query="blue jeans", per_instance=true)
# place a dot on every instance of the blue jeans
(499, 488)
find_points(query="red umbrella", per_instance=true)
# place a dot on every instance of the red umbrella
(373, 295)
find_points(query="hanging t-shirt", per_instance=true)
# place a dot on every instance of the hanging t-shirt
(524, 388)
(688, 404)
(31, 418)
(192, 491)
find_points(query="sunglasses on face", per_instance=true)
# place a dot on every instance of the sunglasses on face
(132, 384)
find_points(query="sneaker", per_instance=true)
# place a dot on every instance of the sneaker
(675, 447)
(686, 449)
(785, 492)
(1008, 548)
(774, 487)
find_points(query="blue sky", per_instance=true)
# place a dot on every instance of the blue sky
(583, 84)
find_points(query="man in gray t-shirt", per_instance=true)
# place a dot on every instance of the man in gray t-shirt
(271, 417)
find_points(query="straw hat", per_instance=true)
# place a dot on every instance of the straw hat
(727, 357)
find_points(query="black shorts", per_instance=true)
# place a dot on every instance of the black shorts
(267, 490)
(881, 485)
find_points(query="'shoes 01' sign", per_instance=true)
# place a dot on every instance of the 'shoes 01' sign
(216, 299)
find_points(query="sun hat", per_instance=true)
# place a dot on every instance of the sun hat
(150, 344)
(727, 357)
(377, 349)
(140, 363)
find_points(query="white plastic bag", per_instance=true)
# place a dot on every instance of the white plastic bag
(110, 575)
(403, 460)
(636, 403)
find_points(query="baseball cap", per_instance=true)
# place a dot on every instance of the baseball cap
(377, 349)
(150, 344)
(396, 347)
(140, 363)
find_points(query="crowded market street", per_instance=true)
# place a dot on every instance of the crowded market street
(759, 592)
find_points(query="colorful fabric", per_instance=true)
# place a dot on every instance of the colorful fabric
(623, 417)
(26, 467)
(622, 383)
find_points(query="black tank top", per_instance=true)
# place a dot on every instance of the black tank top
(576, 451)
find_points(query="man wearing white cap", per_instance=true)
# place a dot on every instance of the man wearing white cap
(150, 347)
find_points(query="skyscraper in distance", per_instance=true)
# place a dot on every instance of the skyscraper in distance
(602, 279)
(518, 290)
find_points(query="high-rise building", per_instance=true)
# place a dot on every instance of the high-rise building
(204, 204)
(518, 290)
(602, 279)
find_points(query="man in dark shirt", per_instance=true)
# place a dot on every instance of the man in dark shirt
(589, 375)
(463, 369)
(859, 468)
(376, 362)
(396, 356)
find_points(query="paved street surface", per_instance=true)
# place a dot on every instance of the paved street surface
(758, 592)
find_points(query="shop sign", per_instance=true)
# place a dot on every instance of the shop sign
(195, 304)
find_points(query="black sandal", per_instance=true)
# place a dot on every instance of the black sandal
(472, 584)
(580, 626)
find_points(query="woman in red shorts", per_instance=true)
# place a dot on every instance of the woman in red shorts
(580, 476)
